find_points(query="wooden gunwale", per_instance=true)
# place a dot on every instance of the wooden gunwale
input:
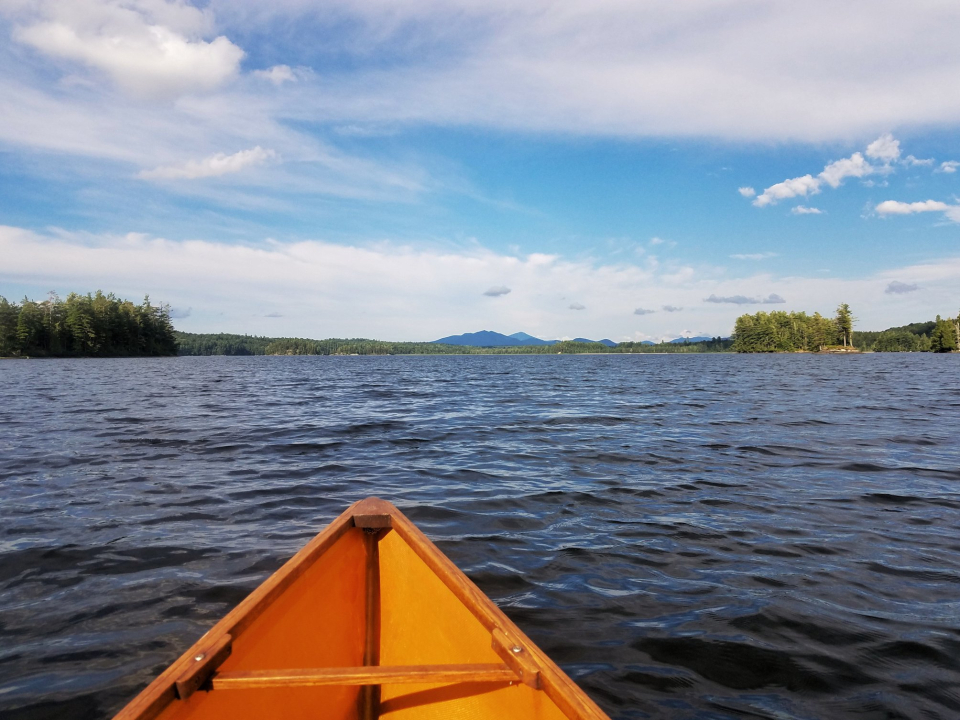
(161, 692)
(372, 512)
(567, 695)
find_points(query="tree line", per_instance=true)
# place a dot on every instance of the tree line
(88, 325)
(781, 331)
(227, 344)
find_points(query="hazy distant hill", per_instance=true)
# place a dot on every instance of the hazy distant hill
(699, 338)
(488, 338)
(526, 339)
(608, 343)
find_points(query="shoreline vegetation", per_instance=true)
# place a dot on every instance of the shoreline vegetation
(226, 344)
(99, 325)
(85, 326)
(781, 331)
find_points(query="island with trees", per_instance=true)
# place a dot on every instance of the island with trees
(767, 332)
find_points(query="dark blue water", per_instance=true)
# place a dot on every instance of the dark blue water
(703, 537)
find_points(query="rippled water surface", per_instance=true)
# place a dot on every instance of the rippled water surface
(703, 537)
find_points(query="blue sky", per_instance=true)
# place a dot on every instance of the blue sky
(624, 170)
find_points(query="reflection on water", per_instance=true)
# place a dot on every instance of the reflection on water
(689, 536)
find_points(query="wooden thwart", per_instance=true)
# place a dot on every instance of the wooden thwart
(368, 675)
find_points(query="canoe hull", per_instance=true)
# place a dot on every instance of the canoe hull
(370, 590)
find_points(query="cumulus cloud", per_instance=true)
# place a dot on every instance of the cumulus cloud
(657, 241)
(911, 161)
(278, 74)
(804, 210)
(213, 166)
(747, 191)
(854, 166)
(671, 308)
(643, 311)
(895, 207)
(899, 288)
(497, 291)
(793, 187)
(949, 166)
(577, 306)
(884, 148)
(773, 298)
(753, 256)
(148, 47)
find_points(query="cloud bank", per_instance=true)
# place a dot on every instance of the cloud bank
(396, 291)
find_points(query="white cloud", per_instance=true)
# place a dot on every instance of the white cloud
(747, 192)
(911, 161)
(278, 74)
(754, 256)
(148, 47)
(949, 166)
(771, 299)
(895, 207)
(800, 186)
(853, 166)
(804, 210)
(793, 71)
(213, 166)
(884, 148)
(657, 241)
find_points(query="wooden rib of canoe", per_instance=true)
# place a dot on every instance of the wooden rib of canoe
(368, 620)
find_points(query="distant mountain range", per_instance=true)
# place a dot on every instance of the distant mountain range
(488, 338)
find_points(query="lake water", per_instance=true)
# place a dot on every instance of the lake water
(707, 537)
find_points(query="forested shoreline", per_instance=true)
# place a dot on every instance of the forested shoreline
(91, 325)
(227, 344)
(779, 331)
(99, 325)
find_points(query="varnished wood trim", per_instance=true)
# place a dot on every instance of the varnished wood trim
(368, 676)
(161, 692)
(204, 663)
(516, 657)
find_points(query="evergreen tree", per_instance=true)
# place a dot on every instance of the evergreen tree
(943, 338)
(844, 324)
(8, 328)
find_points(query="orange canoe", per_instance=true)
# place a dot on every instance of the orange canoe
(368, 620)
